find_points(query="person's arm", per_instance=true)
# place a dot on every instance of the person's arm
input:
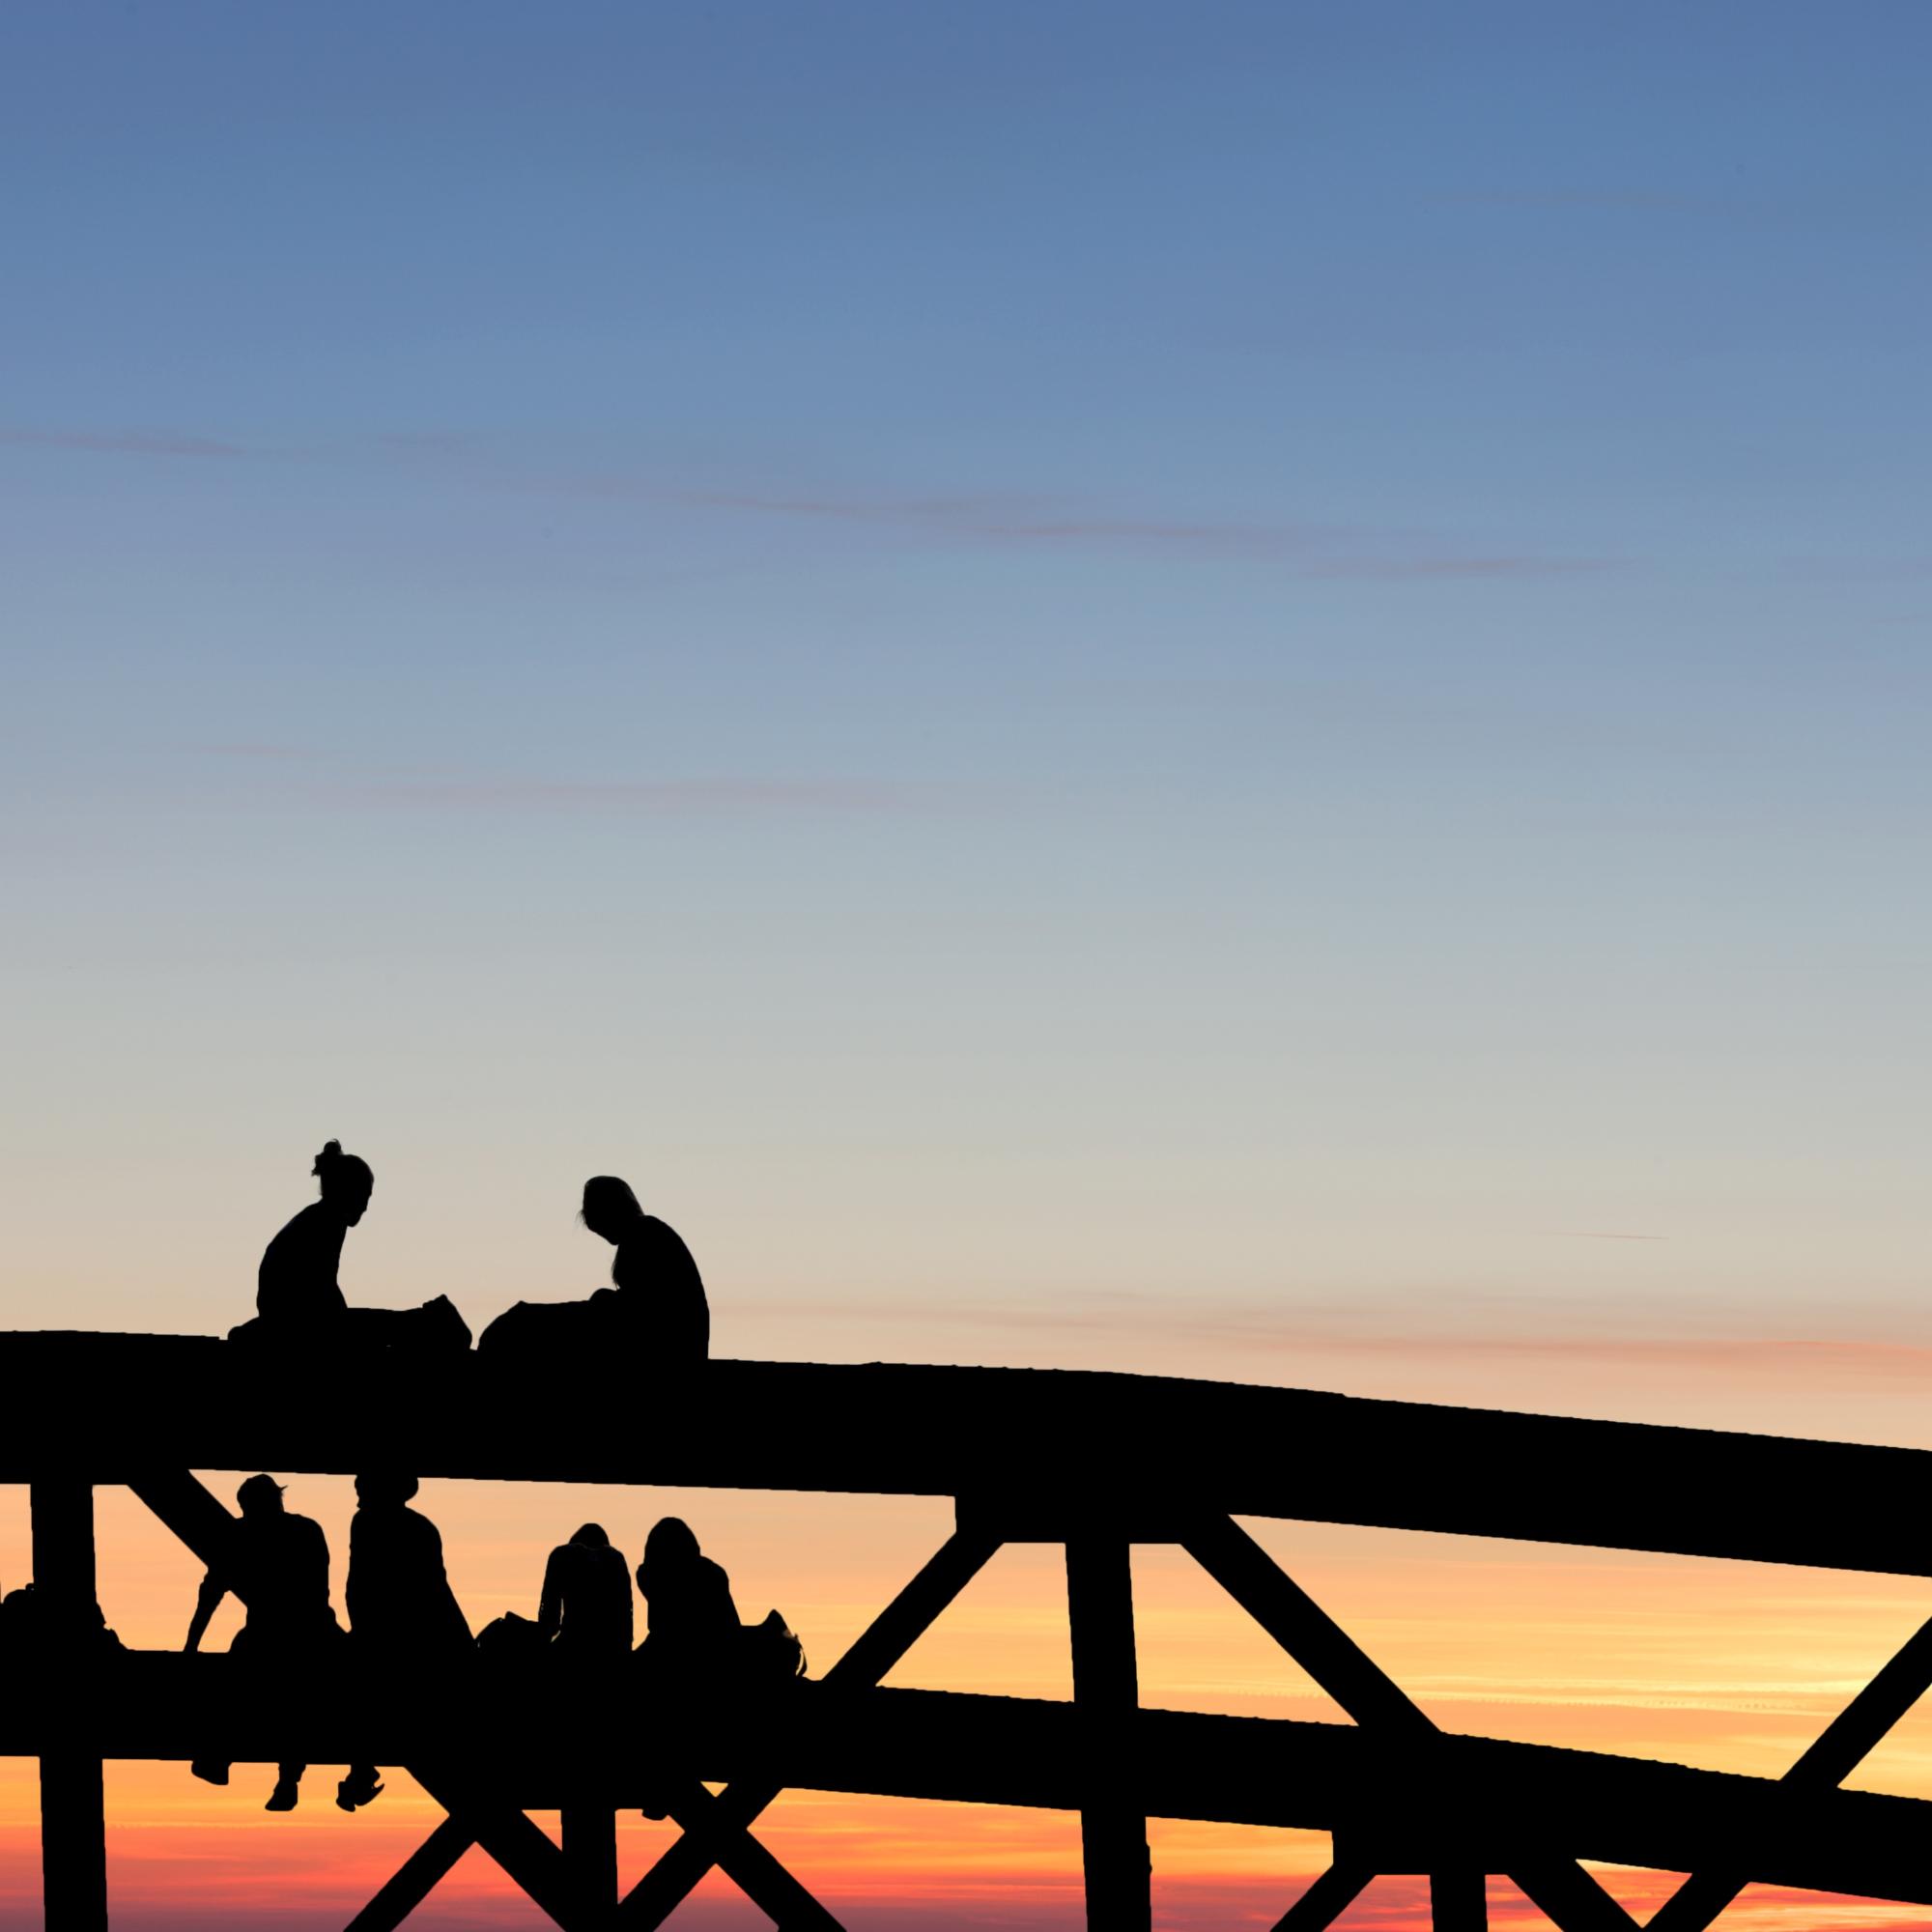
(206, 1604)
(549, 1612)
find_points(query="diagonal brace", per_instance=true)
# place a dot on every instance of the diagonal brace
(871, 1656)
(1560, 1888)
(1837, 1751)
(416, 1878)
(522, 1847)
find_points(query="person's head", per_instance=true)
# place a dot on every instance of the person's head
(592, 1537)
(671, 1547)
(347, 1181)
(260, 1496)
(609, 1208)
(384, 1488)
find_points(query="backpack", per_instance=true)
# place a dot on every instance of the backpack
(771, 1652)
(510, 1637)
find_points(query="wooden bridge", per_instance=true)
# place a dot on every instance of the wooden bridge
(1094, 1462)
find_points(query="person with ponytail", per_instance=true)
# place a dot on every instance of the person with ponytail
(654, 1315)
(299, 1299)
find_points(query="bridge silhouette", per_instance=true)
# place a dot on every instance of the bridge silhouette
(1094, 1463)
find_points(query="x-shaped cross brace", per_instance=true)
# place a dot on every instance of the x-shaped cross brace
(713, 1825)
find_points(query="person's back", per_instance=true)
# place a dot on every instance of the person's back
(297, 1281)
(661, 1293)
(286, 1557)
(398, 1591)
(654, 1321)
(692, 1617)
(697, 1612)
(586, 1606)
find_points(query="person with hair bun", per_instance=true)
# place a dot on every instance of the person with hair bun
(297, 1297)
(655, 1308)
(296, 1282)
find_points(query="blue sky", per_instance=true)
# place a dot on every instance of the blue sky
(1087, 658)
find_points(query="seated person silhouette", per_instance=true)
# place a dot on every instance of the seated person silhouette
(278, 1564)
(299, 1301)
(692, 1623)
(656, 1308)
(402, 1616)
(690, 1616)
(587, 1607)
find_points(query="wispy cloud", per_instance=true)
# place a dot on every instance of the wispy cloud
(1592, 1234)
(267, 753)
(344, 780)
(1810, 1362)
(123, 442)
(668, 795)
(1647, 199)
(1316, 550)
(1007, 520)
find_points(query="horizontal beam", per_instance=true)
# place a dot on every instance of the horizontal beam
(113, 1407)
(1419, 1803)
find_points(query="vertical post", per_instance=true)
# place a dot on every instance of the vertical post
(590, 1846)
(73, 1824)
(1459, 1900)
(1106, 1688)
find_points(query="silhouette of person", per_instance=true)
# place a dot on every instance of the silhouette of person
(299, 1299)
(656, 1307)
(279, 1563)
(691, 1624)
(402, 1615)
(691, 1619)
(586, 1608)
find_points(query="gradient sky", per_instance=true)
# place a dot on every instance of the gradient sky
(1229, 687)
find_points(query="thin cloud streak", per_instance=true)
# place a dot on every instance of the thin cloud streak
(1592, 1234)
(1799, 1359)
(128, 442)
(367, 784)
(1315, 549)
(1311, 550)
(267, 754)
(671, 795)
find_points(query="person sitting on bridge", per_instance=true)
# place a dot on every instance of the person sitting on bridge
(692, 1627)
(657, 1306)
(586, 1609)
(278, 1565)
(299, 1299)
(691, 1619)
(402, 1615)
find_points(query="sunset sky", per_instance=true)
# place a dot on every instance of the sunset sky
(1235, 690)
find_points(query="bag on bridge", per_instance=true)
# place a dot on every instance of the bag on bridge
(510, 1638)
(770, 1652)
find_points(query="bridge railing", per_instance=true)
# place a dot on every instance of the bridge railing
(1092, 1464)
